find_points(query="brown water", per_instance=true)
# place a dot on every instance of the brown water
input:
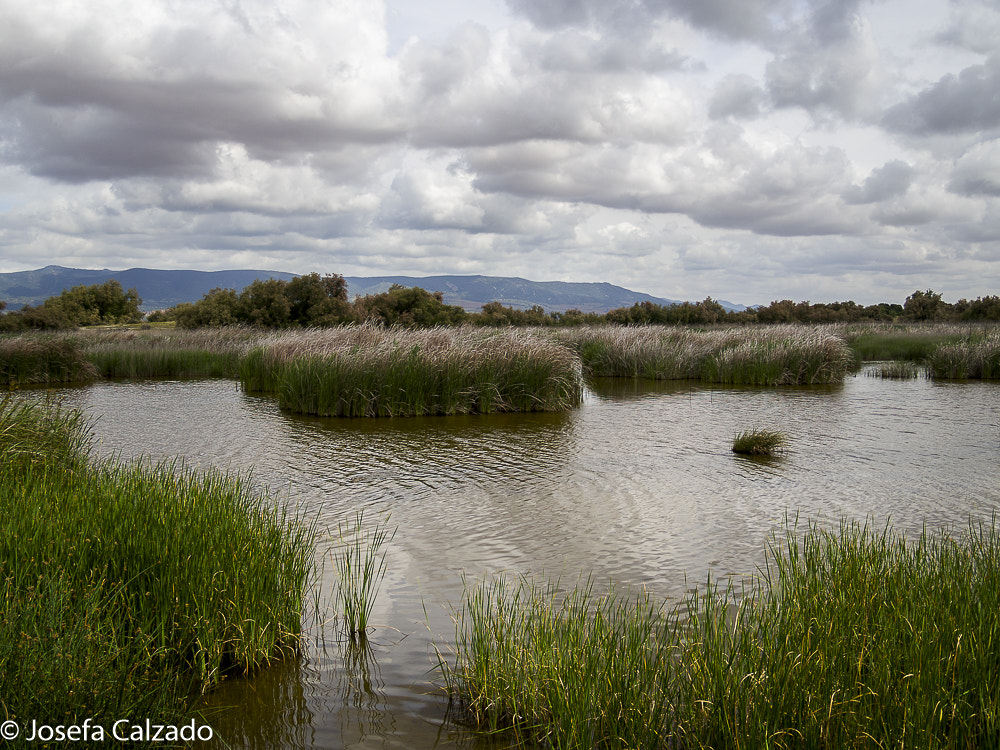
(638, 486)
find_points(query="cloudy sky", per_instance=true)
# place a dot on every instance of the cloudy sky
(748, 150)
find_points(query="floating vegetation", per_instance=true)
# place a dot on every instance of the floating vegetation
(759, 442)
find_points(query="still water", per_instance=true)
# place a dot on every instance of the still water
(638, 486)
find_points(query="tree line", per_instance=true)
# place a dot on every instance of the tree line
(312, 300)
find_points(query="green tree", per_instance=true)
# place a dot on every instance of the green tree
(925, 306)
(408, 306)
(97, 304)
(318, 301)
(219, 307)
(264, 303)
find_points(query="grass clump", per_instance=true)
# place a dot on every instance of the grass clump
(849, 638)
(39, 359)
(369, 371)
(360, 564)
(562, 669)
(759, 442)
(774, 355)
(896, 370)
(976, 356)
(125, 586)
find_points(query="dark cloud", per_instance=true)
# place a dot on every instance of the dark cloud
(977, 172)
(891, 180)
(961, 103)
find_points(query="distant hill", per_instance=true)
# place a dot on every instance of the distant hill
(160, 289)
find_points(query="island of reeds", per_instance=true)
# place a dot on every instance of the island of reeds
(126, 588)
(370, 371)
(856, 638)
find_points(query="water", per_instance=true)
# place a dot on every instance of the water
(638, 486)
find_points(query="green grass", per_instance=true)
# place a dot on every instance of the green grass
(910, 345)
(896, 370)
(771, 355)
(40, 359)
(759, 442)
(850, 638)
(368, 371)
(975, 356)
(125, 585)
(360, 564)
(561, 669)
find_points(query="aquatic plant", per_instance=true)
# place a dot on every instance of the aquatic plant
(759, 442)
(569, 669)
(125, 578)
(42, 358)
(856, 637)
(368, 371)
(771, 355)
(360, 564)
(975, 356)
(898, 370)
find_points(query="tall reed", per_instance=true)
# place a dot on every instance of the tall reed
(360, 564)
(566, 669)
(975, 356)
(774, 355)
(202, 572)
(849, 638)
(365, 370)
(38, 359)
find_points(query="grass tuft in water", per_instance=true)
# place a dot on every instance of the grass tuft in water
(568, 669)
(360, 564)
(849, 638)
(759, 442)
(896, 370)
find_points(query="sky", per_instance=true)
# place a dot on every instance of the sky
(744, 150)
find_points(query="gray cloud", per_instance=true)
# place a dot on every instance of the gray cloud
(648, 142)
(955, 104)
(891, 180)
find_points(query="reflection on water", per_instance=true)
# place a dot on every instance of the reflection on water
(637, 485)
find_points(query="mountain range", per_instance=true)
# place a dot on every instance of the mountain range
(160, 289)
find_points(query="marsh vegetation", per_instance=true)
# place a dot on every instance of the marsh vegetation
(842, 639)
(758, 441)
(128, 586)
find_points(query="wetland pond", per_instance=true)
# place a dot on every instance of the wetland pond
(636, 486)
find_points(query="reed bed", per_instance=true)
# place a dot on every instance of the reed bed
(849, 638)
(775, 355)
(911, 343)
(125, 585)
(976, 356)
(369, 371)
(562, 669)
(40, 359)
(896, 370)
(169, 353)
